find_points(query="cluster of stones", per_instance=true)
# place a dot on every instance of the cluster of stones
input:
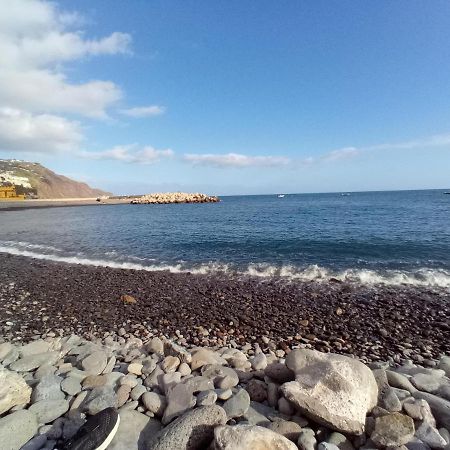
(170, 397)
(175, 197)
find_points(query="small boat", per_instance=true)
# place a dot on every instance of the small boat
(345, 194)
(280, 195)
(447, 193)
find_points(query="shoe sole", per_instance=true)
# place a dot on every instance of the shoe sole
(110, 437)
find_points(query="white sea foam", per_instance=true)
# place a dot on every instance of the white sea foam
(424, 277)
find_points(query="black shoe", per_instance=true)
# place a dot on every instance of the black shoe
(97, 433)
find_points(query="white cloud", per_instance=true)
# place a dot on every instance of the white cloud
(340, 154)
(131, 154)
(144, 111)
(236, 160)
(35, 39)
(24, 132)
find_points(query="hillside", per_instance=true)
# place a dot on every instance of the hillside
(36, 181)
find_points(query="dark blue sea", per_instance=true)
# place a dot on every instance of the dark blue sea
(394, 238)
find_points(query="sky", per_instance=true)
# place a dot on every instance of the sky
(229, 97)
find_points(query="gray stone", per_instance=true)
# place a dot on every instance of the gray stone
(439, 407)
(340, 441)
(155, 345)
(257, 414)
(35, 348)
(259, 361)
(48, 388)
(71, 386)
(138, 391)
(399, 381)
(205, 356)
(129, 380)
(135, 431)
(154, 379)
(79, 400)
(272, 394)
(417, 444)
(249, 437)
(32, 362)
(223, 394)
(130, 406)
(17, 429)
(5, 348)
(100, 399)
(334, 390)
(47, 411)
(172, 349)
(429, 383)
(36, 443)
(154, 403)
(289, 430)
(179, 400)
(199, 383)
(327, 446)
(206, 398)
(390, 401)
(444, 364)
(279, 372)
(13, 390)
(429, 435)
(285, 407)
(110, 365)
(393, 430)
(95, 363)
(237, 405)
(223, 377)
(307, 439)
(192, 431)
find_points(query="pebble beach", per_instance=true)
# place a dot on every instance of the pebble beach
(214, 362)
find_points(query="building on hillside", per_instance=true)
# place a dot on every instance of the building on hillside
(9, 193)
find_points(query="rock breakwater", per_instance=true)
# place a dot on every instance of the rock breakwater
(174, 197)
(222, 398)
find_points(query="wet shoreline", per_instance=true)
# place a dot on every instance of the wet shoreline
(371, 322)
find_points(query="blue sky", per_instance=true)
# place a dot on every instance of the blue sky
(229, 97)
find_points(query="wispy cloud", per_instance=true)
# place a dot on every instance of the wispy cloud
(235, 160)
(130, 154)
(144, 111)
(439, 140)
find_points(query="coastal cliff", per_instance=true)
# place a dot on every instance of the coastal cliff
(36, 181)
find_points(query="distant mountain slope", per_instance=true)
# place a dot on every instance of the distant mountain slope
(37, 181)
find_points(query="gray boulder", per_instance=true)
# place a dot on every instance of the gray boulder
(333, 390)
(237, 405)
(47, 411)
(13, 390)
(17, 429)
(393, 430)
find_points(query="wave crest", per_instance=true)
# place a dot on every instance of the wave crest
(423, 277)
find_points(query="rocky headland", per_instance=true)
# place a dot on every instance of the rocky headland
(174, 197)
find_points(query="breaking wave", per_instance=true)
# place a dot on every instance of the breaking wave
(423, 277)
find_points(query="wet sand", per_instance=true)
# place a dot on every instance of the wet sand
(373, 323)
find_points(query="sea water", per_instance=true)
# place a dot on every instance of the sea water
(395, 238)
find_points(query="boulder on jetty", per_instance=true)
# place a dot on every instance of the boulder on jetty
(170, 396)
(174, 197)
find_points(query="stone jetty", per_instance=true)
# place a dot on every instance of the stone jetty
(171, 397)
(175, 197)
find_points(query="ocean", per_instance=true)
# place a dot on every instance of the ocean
(392, 238)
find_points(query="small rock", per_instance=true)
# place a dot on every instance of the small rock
(340, 441)
(28, 363)
(205, 356)
(47, 411)
(223, 377)
(135, 368)
(259, 361)
(307, 439)
(154, 403)
(393, 430)
(257, 390)
(123, 394)
(289, 430)
(128, 299)
(100, 399)
(170, 364)
(95, 363)
(13, 390)
(71, 386)
(237, 405)
(206, 398)
(430, 435)
(48, 388)
(279, 372)
(155, 346)
(193, 430)
(249, 437)
(184, 369)
(179, 400)
(138, 391)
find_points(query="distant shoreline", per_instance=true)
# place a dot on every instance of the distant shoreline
(59, 202)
